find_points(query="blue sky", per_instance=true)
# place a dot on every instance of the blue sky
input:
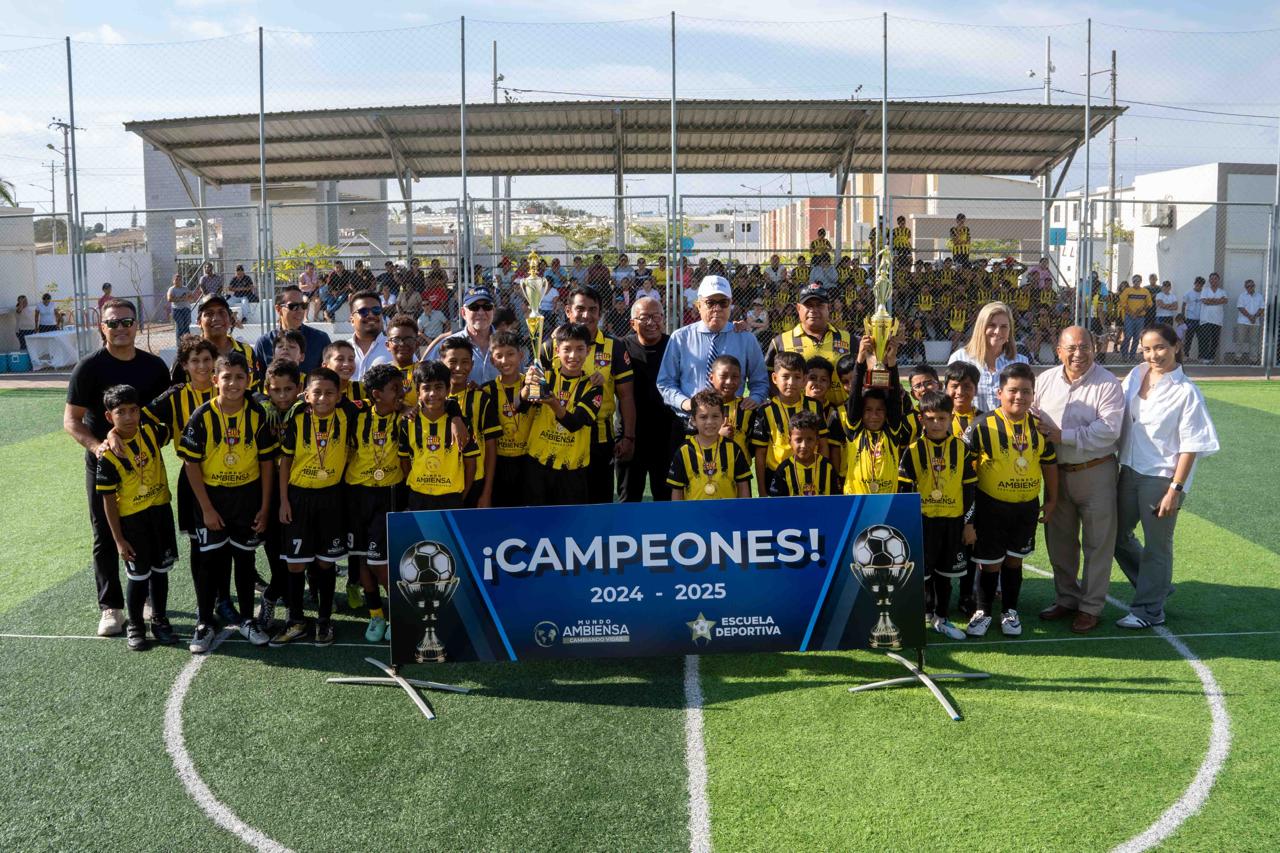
(192, 57)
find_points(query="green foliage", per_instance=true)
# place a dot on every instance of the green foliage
(290, 262)
(579, 236)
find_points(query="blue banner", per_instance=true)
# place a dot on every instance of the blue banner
(625, 580)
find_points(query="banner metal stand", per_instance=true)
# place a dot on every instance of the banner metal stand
(919, 676)
(395, 679)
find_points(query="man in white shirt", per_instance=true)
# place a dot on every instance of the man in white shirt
(367, 337)
(1213, 311)
(775, 272)
(1166, 303)
(1081, 410)
(1191, 306)
(1249, 323)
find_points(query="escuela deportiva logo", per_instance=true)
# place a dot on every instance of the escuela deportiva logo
(702, 629)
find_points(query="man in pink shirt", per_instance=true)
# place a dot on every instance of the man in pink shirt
(1081, 409)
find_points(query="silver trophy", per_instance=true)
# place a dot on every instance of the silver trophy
(881, 566)
(428, 580)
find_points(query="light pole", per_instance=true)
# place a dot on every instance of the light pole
(66, 171)
(759, 191)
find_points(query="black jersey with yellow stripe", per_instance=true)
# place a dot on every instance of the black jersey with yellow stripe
(709, 473)
(607, 356)
(481, 415)
(943, 473)
(565, 443)
(513, 424)
(794, 479)
(319, 445)
(1010, 455)
(436, 462)
(228, 445)
(771, 428)
(374, 459)
(174, 408)
(137, 478)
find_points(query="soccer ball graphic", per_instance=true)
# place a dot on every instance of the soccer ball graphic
(428, 581)
(880, 546)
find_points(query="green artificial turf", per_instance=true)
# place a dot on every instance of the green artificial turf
(1072, 744)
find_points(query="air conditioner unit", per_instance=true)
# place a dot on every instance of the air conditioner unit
(1158, 214)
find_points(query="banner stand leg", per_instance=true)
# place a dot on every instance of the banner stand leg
(919, 676)
(394, 679)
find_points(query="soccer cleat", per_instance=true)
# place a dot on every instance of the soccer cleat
(324, 632)
(978, 624)
(387, 636)
(292, 632)
(136, 636)
(267, 613)
(110, 623)
(355, 596)
(251, 631)
(201, 640)
(227, 614)
(1010, 624)
(163, 632)
(376, 631)
(946, 629)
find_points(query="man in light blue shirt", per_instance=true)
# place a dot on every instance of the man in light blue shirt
(686, 364)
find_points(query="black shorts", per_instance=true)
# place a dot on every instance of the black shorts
(1004, 529)
(555, 486)
(155, 545)
(418, 502)
(367, 508)
(944, 552)
(318, 531)
(508, 480)
(238, 505)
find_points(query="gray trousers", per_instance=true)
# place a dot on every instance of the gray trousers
(1148, 564)
(1086, 512)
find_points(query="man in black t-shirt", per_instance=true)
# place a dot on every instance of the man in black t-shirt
(658, 431)
(119, 362)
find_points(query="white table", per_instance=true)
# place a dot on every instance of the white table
(53, 349)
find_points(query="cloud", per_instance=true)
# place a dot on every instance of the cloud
(103, 34)
(209, 4)
(203, 29)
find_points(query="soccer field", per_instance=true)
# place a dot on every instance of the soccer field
(1075, 743)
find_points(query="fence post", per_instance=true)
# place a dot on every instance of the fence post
(675, 276)
(462, 133)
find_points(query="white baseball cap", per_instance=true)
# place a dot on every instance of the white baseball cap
(715, 285)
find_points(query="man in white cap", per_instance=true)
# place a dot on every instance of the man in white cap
(686, 365)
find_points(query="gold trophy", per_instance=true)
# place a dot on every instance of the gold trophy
(881, 326)
(535, 288)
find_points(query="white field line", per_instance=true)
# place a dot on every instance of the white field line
(695, 760)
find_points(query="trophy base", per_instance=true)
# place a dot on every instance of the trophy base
(919, 676)
(877, 377)
(394, 679)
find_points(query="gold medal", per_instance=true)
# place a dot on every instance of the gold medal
(875, 486)
(1021, 462)
(709, 488)
(935, 495)
(379, 474)
(230, 460)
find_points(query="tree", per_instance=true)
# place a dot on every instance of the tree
(6, 194)
(290, 262)
(579, 236)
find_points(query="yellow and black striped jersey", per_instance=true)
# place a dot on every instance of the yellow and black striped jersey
(960, 421)
(565, 443)
(277, 419)
(709, 473)
(771, 428)
(833, 346)
(481, 415)
(137, 479)
(869, 459)
(319, 446)
(792, 479)
(174, 408)
(228, 445)
(513, 424)
(944, 474)
(436, 462)
(739, 421)
(353, 391)
(374, 459)
(1009, 455)
(410, 390)
(608, 356)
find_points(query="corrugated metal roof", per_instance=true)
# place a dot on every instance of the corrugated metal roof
(591, 137)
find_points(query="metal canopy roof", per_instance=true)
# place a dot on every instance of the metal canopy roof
(633, 137)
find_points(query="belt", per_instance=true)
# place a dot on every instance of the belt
(1071, 469)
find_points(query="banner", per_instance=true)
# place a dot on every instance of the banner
(625, 580)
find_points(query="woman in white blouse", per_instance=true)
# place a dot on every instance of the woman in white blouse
(991, 349)
(1166, 426)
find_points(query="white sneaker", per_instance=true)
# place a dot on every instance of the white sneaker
(979, 622)
(1010, 625)
(110, 623)
(946, 629)
(251, 631)
(201, 640)
(1136, 622)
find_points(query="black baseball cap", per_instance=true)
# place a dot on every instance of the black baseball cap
(214, 301)
(813, 290)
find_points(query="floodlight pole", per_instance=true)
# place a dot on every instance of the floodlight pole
(464, 275)
(264, 232)
(1113, 268)
(497, 213)
(1085, 226)
(79, 275)
(675, 278)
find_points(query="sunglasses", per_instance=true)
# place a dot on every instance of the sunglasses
(125, 322)
(481, 306)
(295, 306)
(375, 311)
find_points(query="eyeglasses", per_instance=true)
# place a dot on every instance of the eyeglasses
(402, 340)
(295, 306)
(480, 306)
(375, 311)
(1075, 348)
(716, 303)
(125, 322)
(649, 318)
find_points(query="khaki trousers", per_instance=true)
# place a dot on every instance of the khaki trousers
(1083, 524)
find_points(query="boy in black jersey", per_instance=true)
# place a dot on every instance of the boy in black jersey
(709, 464)
(281, 401)
(135, 494)
(227, 450)
(940, 467)
(805, 471)
(313, 458)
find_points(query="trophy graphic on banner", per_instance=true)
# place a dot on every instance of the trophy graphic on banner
(535, 288)
(428, 581)
(881, 566)
(881, 325)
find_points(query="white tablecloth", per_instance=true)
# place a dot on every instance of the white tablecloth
(52, 349)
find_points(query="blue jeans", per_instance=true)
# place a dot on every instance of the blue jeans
(1132, 330)
(182, 321)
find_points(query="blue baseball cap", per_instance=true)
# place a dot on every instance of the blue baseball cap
(477, 294)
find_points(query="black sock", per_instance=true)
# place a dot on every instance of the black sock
(928, 596)
(326, 582)
(135, 598)
(212, 565)
(297, 580)
(246, 575)
(373, 597)
(1010, 586)
(987, 590)
(278, 587)
(941, 596)
(159, 596)
(967, 582)
(224, 578)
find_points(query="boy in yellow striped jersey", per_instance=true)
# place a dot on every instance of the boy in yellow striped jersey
(438, 469)
(871, 428)
(709, 465)
(513, 424)
(771, 424)
(805, 472)
(726, 380)
(480, 414)
(340, 357)
(403, 337)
